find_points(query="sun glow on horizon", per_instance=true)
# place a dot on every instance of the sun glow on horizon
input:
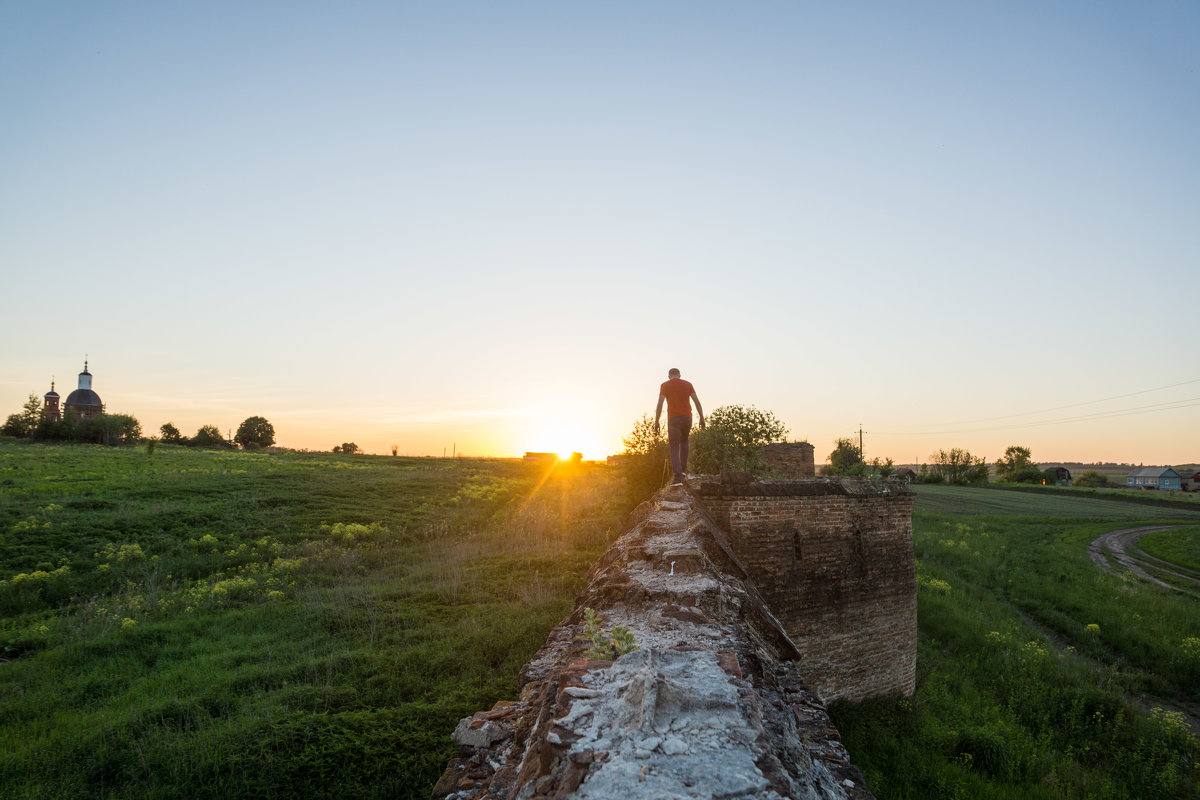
(566, 440)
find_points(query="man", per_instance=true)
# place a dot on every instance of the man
(679, 394)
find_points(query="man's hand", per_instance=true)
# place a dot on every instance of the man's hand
(702, 423)
(655, 429)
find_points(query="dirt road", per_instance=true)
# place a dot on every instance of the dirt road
(1118, 550)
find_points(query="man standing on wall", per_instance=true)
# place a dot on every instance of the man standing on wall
(679, 394)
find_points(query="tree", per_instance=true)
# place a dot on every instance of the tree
(170, 434)
(255, 432)
(643, 464)
(1092, 478)
(24, 423)
(111, 429)
(1017, 461)
(846, 459)
(208, 436)
(734, 439)
(346, 447)
(959, 467)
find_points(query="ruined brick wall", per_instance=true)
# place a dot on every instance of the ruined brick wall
(790, 459)
(833, 559)
(712, 703)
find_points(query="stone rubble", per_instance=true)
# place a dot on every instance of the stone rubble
(710, 705)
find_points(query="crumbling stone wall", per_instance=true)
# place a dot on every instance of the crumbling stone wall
(712, 704)
(790, 459)
(833, 559)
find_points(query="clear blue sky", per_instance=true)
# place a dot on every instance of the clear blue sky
(494, 226)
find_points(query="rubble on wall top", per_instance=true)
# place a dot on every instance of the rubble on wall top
(709, 705)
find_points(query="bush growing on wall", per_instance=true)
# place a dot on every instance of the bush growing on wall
(734, 440)
(642, 466)
(846, 459)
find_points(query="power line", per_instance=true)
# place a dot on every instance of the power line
(1170, 405)
(1070, 405)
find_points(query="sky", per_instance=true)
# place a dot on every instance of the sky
(484, 228)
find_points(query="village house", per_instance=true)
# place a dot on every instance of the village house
(1153, 478)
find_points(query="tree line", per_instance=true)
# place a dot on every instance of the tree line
(117, 429)
(735, 436)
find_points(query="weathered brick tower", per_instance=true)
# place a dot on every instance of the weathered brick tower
(790, 459)
(833, 559)
(50, 409)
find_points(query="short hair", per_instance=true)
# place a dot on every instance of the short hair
(673, 372)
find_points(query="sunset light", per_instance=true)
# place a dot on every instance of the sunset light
(471, 254)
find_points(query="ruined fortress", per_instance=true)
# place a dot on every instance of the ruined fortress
(752, 603)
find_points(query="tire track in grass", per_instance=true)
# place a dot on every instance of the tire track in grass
(1121, 547)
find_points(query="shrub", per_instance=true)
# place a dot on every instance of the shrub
(734, 439)
(1092, 478)
(170, 434)
(642, 464)
(958, 466)
(255, 432)
(988, 752)
(209, 436)
(1029, 474)
(846, 459)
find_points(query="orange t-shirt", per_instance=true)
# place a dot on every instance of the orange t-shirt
(678, 393)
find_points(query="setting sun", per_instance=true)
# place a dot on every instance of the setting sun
(567, 440)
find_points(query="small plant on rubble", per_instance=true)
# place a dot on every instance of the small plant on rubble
(605, 646)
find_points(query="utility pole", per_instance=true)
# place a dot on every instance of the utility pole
(861, 453)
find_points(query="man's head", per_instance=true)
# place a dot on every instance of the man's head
(673, 373)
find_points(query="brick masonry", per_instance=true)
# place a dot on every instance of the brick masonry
(790, 459)
(834, 562)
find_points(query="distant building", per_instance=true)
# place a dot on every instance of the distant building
(83, 401)
(50, 409)
(904, 474)
(1153, 478)
(1060, 475)
(1190, 481)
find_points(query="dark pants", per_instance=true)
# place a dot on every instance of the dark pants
(678, 429)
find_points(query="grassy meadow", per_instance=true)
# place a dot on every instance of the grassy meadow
(238, 624)
(196, 624)
(1039, 675)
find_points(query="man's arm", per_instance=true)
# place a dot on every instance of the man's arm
(658, 411)
(699, 410)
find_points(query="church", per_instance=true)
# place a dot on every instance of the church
(83, 401)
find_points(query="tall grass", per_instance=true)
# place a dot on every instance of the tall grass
(215, 624)
(1039, 675)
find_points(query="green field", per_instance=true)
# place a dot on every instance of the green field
(227, 624)
(1180, 546)
(1039, 675)
(1046, 502)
